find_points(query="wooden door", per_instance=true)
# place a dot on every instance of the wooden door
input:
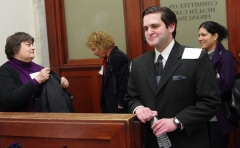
(85, 82)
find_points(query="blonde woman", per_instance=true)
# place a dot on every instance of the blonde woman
(115, 71)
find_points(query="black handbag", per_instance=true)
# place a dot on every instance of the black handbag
(232, 106)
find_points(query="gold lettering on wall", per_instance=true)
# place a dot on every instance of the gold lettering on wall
(190, 14)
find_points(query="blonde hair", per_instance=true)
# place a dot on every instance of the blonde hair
(101, 40)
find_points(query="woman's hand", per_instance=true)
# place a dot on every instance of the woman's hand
(64, 82)
(43, 75)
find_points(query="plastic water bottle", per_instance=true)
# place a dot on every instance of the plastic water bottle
(163, 140)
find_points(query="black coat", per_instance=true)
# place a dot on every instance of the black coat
(119, 69)
(52, 97)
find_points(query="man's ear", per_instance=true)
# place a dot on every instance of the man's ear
(172, 27)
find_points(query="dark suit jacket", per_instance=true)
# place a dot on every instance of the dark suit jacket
(109, 101)
(188, 90)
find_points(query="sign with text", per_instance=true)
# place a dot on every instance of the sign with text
(190, 14)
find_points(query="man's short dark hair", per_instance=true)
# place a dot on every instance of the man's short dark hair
(167, 16)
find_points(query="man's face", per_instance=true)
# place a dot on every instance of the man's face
(156, 32)
(26, 52)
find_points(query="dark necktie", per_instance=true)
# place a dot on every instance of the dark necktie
(158, 68)
(104, 66)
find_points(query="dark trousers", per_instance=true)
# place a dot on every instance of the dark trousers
(216, 138)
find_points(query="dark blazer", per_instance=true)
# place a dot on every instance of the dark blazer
(224, 65)
(109, 101)
(188, 90)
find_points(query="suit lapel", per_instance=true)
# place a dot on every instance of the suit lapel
(149, 71)
(171, 65)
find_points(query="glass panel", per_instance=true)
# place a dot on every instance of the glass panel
(191, 14)
(85, 16)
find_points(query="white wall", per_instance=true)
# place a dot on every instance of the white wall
(25, 16)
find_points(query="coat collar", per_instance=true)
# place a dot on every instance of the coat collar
(217, 53)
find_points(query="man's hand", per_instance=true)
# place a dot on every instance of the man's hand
(144, 114)
(163, 126)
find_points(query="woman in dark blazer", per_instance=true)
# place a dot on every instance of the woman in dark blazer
(115, 71)
(210, 36)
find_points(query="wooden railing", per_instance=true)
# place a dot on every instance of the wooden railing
(68, 130)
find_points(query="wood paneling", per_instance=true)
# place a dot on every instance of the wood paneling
(85, 87)
(83, 75)
(56, 130)
(133, 27)
(233, 22)
(53, 31)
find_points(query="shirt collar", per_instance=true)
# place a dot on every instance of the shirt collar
(210, 53)
(165, 53)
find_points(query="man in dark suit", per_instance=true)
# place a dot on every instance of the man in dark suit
(187, 95)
